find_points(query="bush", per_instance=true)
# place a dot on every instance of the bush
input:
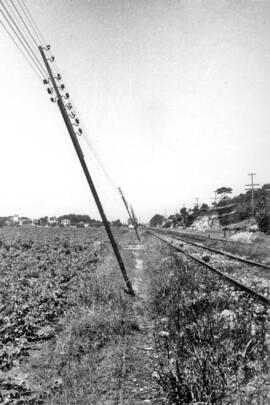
(264, 223)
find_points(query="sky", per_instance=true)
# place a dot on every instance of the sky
(173, 96)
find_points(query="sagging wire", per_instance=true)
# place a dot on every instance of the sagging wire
(24, 24)
(94, 152)
(26, 54)
(32, 64)
(36, 37)
(21, 38)
(92, 149)
(32, 22)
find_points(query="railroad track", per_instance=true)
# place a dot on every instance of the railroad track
(237, 284)
(200, 238)
(220, 252)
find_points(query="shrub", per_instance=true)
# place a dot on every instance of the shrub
(264, 223)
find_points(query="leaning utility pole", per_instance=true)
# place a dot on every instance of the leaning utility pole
(69, 125)
(252, 188)
(129, 213)
(135, 220)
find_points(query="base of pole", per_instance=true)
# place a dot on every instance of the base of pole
(132, 292)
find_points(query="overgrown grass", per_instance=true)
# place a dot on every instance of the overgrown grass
(210, 339)
(83, 363)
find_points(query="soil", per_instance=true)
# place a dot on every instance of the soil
(138, 384)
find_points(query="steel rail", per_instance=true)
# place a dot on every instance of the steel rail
(202, 238)
(220, 252)
(235, 283)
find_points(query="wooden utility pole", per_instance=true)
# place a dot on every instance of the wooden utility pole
(80, 155)
(129, 213)
(252, 188)
(135, 220)
(214, 198)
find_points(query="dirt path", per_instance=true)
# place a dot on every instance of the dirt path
(138, 385)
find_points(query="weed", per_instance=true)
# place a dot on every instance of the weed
(209, 339)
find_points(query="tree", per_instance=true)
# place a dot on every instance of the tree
(263, 222)
(184, 216)
(204, 208)
(183, 211)
(157, 220)
(43, 221)
(75, 218)
(223, 192)
(196, 211)
(116, 223)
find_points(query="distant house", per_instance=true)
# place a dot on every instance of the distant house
(82, 224)
(130, 224)
(25, 221)
(65, 222)
(15, 219)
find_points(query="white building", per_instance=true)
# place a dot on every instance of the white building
(65, 222)
(15, 219)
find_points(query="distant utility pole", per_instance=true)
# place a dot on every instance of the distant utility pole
(135, 220)
(251, 188)
(131, 217)
(215, 198)
(73, 135)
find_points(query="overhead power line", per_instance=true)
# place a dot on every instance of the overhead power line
(56, 70)
(99, 161)
(55, 88)
(23, 49)
(24, 24)
(70, 127)
(32, 22)
(20, 36)
(30, 61)
(21, 22)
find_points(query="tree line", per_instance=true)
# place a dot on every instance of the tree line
(229, 210)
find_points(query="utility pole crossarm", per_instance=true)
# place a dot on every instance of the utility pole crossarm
(80, 155)
(252, 189)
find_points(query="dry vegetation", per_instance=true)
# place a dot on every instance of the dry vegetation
(63, 316)
(65, 319)
(211, 340)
